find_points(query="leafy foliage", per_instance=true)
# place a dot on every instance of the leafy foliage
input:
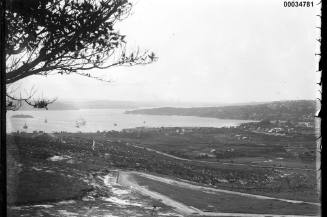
(66, 36)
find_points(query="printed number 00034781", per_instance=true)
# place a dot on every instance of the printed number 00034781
(298, 4)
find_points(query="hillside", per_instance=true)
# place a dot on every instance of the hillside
(300, 110)
(22, 116)
(95, 104)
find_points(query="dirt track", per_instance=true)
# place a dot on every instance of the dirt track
(126, 179)
(202, 188)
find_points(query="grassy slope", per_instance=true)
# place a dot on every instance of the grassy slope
(32, 187)
(26, 185)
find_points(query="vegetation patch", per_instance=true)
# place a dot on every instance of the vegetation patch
(32, 187)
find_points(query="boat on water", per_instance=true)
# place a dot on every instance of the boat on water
(25, 126)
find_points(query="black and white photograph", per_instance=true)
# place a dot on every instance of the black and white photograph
(162, 108)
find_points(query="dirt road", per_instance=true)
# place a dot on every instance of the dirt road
(126, 179)
(208, 189)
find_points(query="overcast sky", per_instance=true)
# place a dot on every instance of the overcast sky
(209, 51)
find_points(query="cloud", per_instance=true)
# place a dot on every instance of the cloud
(210, 50)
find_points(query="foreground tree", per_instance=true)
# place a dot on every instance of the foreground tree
(64, 36)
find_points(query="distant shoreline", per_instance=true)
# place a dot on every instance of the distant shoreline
(22, 116)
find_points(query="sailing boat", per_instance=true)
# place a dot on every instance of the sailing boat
(25, 126)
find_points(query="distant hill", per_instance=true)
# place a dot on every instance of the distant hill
(299, 110)
(22, 116)
(115, 104)
(94, 104)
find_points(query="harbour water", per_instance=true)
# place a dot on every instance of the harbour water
(92, 120)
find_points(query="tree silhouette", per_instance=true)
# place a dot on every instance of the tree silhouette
(63, 37)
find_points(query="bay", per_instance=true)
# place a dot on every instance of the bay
(92, 120)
